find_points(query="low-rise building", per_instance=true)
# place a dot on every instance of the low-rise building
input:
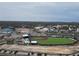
(6, 31)
(23, 30)
(77, 30)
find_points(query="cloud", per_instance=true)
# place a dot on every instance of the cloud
(43, 11)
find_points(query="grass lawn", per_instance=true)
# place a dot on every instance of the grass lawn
(55, 41)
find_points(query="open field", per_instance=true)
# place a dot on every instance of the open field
(55, 41)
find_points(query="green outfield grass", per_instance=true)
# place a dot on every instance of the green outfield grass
(55, 41)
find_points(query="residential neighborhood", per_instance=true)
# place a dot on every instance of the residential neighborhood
(40, 35)
(39, 29)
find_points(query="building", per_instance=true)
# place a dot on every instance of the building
(44, 30)
(6, 31)
(22, 30)
(27, 39)
(77, 30)
(39, 27)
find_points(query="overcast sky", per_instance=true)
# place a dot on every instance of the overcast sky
(43, 11)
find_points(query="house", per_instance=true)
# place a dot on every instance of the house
(44, 30)
(59, 26)
(38, 34)
(63, 31)
(22, 30)
(52, 30)
(39, 27)
(77, 30)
